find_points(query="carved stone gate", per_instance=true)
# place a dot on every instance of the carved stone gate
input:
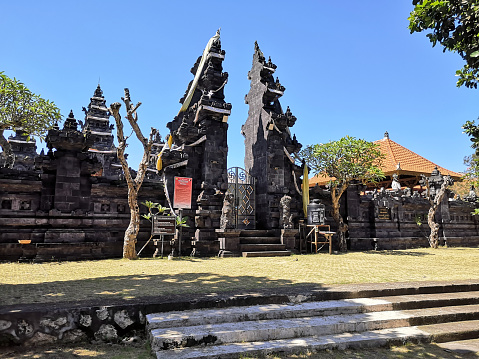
(242, 185)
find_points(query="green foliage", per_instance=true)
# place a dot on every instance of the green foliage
(418, 219)
(153, 209)
(472, 162)
(472, 130)
(22, 109)
(454, 25)
(345, 160)
(181, 222)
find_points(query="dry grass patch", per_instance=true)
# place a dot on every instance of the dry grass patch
(23, 283)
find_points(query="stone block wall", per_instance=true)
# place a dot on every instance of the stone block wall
(95, 232)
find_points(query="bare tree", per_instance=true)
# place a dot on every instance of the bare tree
(134, 184)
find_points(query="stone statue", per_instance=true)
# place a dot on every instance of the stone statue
(472, 197)
(407, 192)
(285, 216)
(227, 215)
(396, 186)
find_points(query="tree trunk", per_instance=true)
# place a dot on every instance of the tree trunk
(435, 203)
(134, 184)
(342, 227)
(8, 156)
(131, 233)
(434, 236)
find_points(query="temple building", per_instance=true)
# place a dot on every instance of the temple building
(400, 161)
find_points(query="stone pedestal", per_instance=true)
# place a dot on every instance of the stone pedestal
(290, 238)
(229, 240)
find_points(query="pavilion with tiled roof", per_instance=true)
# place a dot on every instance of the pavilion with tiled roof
(399, 160)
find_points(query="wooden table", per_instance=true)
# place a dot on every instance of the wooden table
(323, 230)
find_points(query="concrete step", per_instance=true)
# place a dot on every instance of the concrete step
(267, 254)
(377, 338)
(264, 312)
(308, 309)
(433, 313)
(258, 233)
(453, 331)
(457, 313)
(262, 247)
(418, 301)
(367, 339)
(262, 330)
(260, 240)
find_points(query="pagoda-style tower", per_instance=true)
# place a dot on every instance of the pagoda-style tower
(97, 122)
(200, 148)
(269, 147)
(24, 150)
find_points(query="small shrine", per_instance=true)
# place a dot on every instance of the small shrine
(66, 172)
(24, 150)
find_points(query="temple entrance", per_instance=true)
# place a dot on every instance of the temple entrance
(242, 185)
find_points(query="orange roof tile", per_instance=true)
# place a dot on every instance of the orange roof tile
(398, 159)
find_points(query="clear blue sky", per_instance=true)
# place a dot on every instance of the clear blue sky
(349, 67)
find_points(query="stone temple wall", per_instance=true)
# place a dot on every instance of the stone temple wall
(389, 220)
(62, 210)
(94, 233)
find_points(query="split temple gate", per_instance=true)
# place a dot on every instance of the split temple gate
(71, 203)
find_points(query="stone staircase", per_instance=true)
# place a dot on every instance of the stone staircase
(261, 243)
(440, 314)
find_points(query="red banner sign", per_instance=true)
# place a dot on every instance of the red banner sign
(183, 190)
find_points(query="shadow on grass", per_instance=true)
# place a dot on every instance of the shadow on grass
(82, 350)
(130, 288)
(400, 253)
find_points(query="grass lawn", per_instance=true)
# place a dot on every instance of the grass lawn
(118, 279)
(113, 280)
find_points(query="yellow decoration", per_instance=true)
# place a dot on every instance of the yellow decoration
(204, 57)
(305, 190)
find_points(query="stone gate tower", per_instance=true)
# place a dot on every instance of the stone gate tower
(200, 147)
(269, 147)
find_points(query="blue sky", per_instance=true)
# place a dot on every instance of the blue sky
(349, 67)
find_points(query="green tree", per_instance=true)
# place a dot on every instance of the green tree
(344, 161)
(454, 25)
(20, 109)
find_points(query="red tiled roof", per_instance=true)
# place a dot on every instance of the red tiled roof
(398, 159)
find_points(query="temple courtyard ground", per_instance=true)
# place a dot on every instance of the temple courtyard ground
(110, 282)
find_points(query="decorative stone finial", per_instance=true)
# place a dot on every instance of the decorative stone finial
(70, 123)
(98, 92)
